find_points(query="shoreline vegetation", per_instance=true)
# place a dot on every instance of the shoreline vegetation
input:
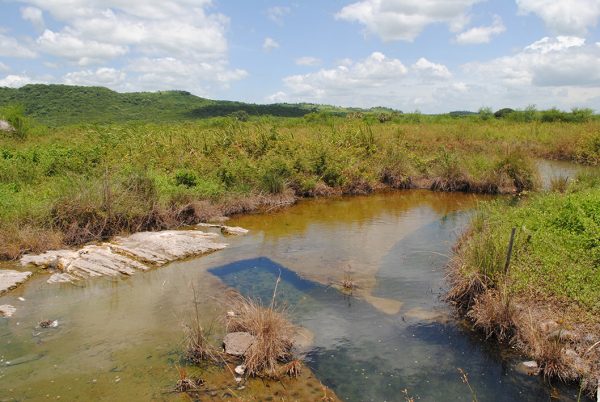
(546, 302)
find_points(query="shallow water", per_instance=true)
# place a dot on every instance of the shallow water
(120, 339)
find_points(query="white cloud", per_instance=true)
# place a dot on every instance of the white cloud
(482, 34)
(14, 81)
(10, 47)
(69, 45)
(4, 67)
(307, 61)
(104, 76)
(406, 19)
(549, 62)
(269, 44)
(431, 70)
(370, 75)
(564, 16)
(276, 14)
(172, 33)
(35, 16)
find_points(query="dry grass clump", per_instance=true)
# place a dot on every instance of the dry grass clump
(197, 339)
(559, 184)
(493, 313)
(187, 384)
(15, 240)
(272, 330)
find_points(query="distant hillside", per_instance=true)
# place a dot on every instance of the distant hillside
(57, 105)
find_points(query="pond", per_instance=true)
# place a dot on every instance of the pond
(121, 339)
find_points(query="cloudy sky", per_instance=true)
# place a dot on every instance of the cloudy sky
(427, 55)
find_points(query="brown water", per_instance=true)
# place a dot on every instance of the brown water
(119, 340)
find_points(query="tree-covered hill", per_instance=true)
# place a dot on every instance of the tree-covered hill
(57, 105)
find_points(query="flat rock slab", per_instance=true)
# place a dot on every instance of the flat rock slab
(226, 230)
(237, 343)
(10, 279)
(6, 310)
(125, 255)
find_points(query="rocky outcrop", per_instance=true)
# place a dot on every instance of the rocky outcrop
(6, 126)
(125, 255)
(10, 279)
(226, 230)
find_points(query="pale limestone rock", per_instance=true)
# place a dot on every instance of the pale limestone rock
(6, 126)
(125, 255)
(10, 279)
(226, 230)
(6, 310)
(237, 343)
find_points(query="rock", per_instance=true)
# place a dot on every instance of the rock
(125, 255)
(6, 126)
(6, 310)
(226, 230)
(529, 367)
(233, 230)
(579, 364)
(237, 343)
(10, 279)
(241, 369)
(48, 324)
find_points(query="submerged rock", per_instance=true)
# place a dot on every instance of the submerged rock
(125, 255)
(529, 367)
(237, 343)
(10, 279)
(6, 310)
(226, 230)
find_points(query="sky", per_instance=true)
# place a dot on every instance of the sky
(428, 55)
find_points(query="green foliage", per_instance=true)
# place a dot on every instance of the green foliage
(485, 113)
(186, 178)
(557, 247)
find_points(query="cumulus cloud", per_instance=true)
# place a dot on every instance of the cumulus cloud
(122, 31)
(307, 61)
(406, 19)
(68, 45)
(482, 34)
(15, 81)
(104, 76)
(371, 75)
(429, 69)
(35, 16)
(564, 16)
(549, 62)
(277, 14)
(10, 47)
(269, 44)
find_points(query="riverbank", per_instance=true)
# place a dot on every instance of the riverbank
(72, 185)
(546, 300)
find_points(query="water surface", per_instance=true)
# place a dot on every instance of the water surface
(120, 339)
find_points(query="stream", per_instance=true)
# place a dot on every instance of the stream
(120, 339)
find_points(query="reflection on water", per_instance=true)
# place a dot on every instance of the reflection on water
(119, 339)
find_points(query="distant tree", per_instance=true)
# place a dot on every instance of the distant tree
(485, 113)
(240, 115)
(503, 112)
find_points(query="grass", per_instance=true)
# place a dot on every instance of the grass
(553, 279)
(75, 184)
(273, 334)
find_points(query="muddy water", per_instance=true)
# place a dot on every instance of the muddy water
(120, 339)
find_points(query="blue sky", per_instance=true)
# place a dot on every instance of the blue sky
(427, 55)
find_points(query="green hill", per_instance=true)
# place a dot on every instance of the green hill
(57, 105)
